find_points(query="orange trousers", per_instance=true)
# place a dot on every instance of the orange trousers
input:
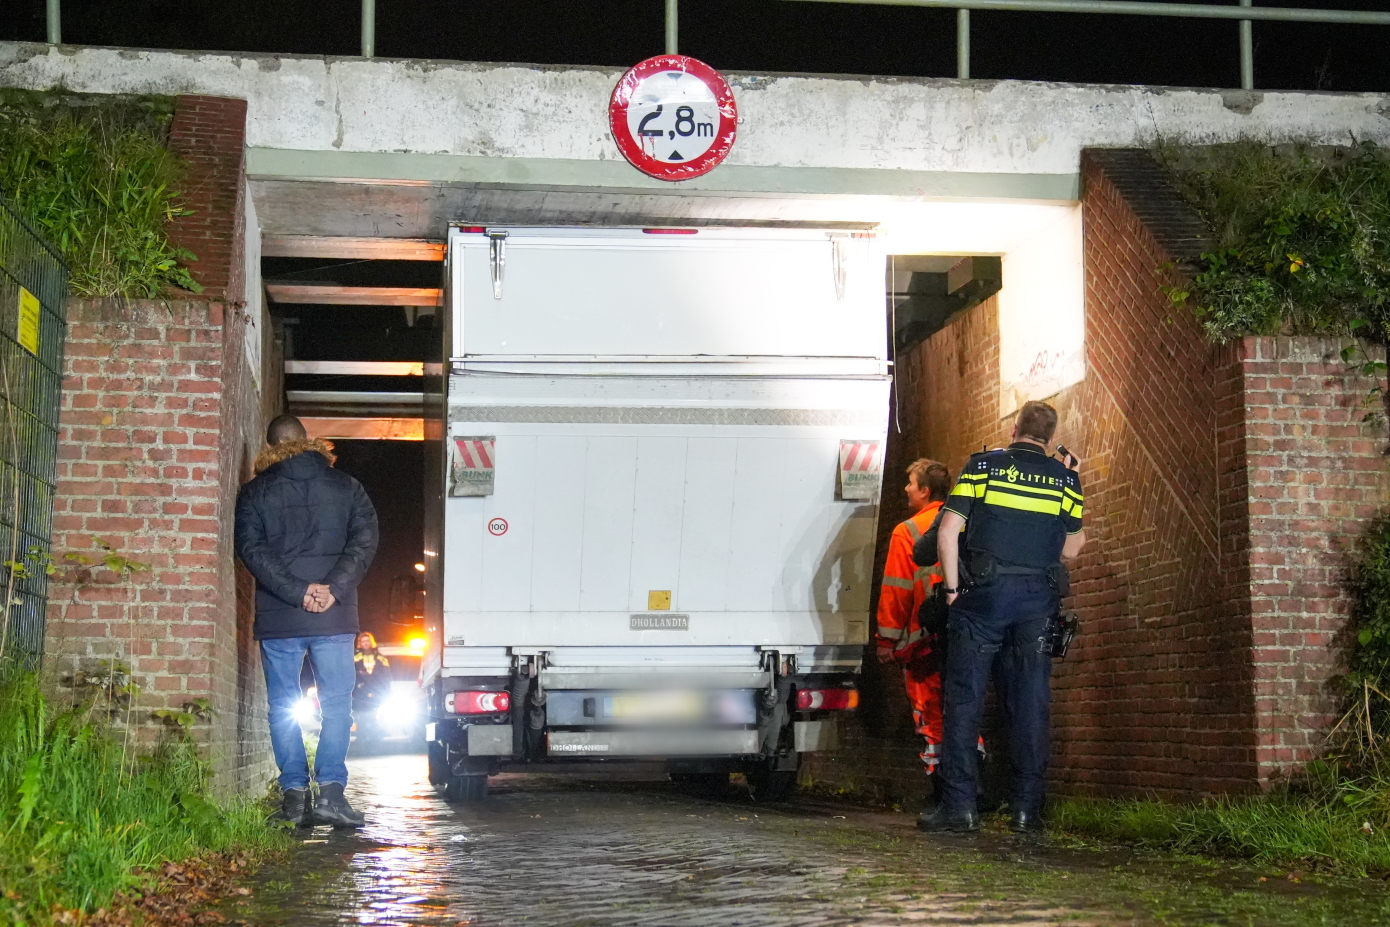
(922, 678)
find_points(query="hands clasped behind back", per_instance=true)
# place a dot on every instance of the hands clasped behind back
(318, 598)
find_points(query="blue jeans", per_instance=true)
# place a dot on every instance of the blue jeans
(1001, 626)
(283, 659)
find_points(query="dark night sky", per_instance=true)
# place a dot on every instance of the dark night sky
(748, 35)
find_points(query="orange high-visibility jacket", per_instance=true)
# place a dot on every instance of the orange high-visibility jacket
(905, 585)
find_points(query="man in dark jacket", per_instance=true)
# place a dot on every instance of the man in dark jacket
(307, 533)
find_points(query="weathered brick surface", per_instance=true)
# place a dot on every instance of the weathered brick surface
(158, 422)
(1315, 475)
(1222, 487)
(209, 134)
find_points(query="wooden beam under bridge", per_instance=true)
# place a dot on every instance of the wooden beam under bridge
(365, 429)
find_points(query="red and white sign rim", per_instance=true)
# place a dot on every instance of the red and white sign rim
(684, 170)
(497, 527)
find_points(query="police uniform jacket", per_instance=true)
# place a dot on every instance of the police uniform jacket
(1019, 505)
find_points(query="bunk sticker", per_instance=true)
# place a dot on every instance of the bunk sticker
(861, 467)
(497, 527)
(28, 334)
(673, 117)
(471, 466)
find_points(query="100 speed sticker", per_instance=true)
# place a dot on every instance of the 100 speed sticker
(673, 117)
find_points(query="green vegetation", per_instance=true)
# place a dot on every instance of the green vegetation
(100, 183)
(1370, 623)
(1301, 239)
(1324, 832)
(81, 814)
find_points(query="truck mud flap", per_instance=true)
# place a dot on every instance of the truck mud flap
(815, 736)
(489, 740)
(653, 743)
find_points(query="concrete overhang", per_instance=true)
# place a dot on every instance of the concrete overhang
(393, 195)
(397, 148)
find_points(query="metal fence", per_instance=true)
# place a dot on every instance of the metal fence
(33, 287)
(1244, 14)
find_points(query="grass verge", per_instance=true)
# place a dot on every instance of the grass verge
(82, 816)
(1286, 830)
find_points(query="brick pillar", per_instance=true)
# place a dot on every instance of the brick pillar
(209, 134)
(1314, 476)
(156, 402)
(160, 420)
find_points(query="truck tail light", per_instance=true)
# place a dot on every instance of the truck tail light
(826, 699)
(477, 703)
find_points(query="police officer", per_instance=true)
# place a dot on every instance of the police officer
(1012, 517)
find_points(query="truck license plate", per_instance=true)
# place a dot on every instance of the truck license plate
(655, 706)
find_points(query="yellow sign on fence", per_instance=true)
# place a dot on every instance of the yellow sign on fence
(28, 334)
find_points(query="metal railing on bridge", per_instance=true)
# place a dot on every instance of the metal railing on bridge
(33, 329)
(1245, 15)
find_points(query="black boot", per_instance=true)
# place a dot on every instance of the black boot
(296, 806)
(333, 808)
(944, 821)
(1026, 822)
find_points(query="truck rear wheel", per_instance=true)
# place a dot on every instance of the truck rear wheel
(465, 788)
(438, 766)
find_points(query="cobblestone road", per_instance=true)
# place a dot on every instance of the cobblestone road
(584, 850)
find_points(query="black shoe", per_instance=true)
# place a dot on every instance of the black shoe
(1026, 822)
(296, 805)
(942, 821)
(333, 808)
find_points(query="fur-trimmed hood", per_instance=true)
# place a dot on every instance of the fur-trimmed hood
(287, 449)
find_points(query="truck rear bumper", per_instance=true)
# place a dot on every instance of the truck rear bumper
(660, 743)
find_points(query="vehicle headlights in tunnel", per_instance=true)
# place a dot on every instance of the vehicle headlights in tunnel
(306, 710)
(397, 711)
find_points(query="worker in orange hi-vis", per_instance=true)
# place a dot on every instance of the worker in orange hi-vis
(901, 638)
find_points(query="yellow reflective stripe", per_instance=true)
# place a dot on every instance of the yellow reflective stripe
(911, 639)
(1076, 511)
(897, 583)
(913, 530)
(1023, 503)
(1023, 487)
(965, 489)
(1072, 492)
(890, 634)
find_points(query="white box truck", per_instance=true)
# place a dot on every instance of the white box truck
(655, 498)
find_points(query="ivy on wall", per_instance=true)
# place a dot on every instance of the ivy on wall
(93, 173)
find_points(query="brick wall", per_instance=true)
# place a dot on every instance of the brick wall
(1222, 486)
(1156, 695)
(155, 425)
(1315, 475)
(209, 134)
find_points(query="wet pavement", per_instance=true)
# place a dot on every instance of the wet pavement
(629, 849)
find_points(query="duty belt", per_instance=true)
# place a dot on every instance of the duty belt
(1003, 569)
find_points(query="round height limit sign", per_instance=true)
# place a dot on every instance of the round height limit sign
(673, 117)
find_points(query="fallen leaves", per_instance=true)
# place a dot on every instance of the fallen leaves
(176, 895)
